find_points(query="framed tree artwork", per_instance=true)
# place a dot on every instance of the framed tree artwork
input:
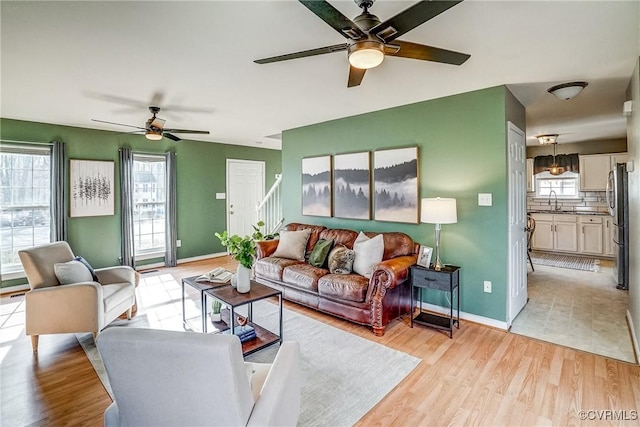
(316, 186)
(92, 188)
(395, 185)
(351, 185)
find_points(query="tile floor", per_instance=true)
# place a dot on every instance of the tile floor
(577, 309)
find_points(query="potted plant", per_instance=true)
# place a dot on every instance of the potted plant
(243, 250)
(216, 307)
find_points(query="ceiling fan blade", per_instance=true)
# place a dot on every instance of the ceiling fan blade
(410, 18)
(304, 53)
(119, 124)
(171, 137)
(355, 76)
(426, 53)
(335, 19)
(199, 132)
(157, 123)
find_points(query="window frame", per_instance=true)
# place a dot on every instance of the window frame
(543, 177)
(16, 271)
(146, 188)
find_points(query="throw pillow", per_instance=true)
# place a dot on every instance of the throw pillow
(292, 244)
(341, 260)
(86, 264)
(320, 252)
(71, 272)
(369, 253)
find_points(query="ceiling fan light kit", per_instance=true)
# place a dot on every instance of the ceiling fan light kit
(366, 54)
(567, 91)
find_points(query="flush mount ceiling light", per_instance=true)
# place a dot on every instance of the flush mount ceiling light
(366, 54)
(567, 91)
(550, 138)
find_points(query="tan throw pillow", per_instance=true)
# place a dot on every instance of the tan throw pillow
(72, 272)
(369, 253)
(340, 260)
(292, 244)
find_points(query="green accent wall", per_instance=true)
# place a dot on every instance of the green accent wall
(461, 144)
(201, 172)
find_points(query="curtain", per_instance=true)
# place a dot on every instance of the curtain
(126, 208)
(171, 233)
(58, 173)
(570, 163)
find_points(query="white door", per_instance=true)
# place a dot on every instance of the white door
(245, 189)
(517, 223)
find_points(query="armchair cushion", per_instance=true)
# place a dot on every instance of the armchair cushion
(72, 272)
(86, 264)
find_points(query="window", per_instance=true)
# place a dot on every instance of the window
(149, 205)
(25, 198)
(565, 185)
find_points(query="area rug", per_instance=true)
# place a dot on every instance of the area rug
(565, 261)
(344, 375)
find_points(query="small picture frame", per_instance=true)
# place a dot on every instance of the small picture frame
(424, 256)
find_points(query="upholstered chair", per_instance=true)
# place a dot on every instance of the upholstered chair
(176, 378)
(52, 307)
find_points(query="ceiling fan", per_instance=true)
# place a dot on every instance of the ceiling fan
(369, 39)
(154, 128)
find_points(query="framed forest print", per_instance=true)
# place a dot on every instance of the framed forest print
(316, 186)
(92, 188)
(351, 185)
(395, 185)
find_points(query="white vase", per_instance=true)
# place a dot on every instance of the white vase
(243, 279)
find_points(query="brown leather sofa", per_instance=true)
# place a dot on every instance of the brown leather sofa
(375, 302)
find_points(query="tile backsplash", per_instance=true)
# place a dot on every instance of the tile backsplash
(588, 201)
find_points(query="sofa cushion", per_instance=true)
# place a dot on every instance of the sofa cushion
(315, 232)
(395, 244)
(341, 260)
(340, 236)
(368, 254)
(272, 267)
(293, 244)
(320, 253)
(350, 287)
(303, 276)
(72, 272)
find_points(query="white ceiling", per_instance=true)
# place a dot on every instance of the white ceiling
(68, 62)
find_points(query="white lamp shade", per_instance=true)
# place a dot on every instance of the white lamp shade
(438, 211)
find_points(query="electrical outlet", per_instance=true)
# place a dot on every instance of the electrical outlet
(178, 243)
(487, 286)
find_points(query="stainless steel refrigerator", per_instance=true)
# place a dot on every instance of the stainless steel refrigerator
(618, 201)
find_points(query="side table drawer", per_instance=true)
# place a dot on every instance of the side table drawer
(431, 279)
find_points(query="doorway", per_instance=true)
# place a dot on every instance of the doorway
(245, 189)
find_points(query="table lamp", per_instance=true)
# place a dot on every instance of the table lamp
(438, 211)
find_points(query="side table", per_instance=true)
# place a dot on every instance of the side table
(200, 287)
(446, 280)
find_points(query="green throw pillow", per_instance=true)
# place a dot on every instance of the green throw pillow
(319, 253)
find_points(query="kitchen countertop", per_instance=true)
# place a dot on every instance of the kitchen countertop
(569, 212)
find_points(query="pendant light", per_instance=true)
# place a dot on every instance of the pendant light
(555, 169)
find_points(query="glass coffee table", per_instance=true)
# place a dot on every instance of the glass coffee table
(229, 296)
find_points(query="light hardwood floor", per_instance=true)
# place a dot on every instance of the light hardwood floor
(483, 376)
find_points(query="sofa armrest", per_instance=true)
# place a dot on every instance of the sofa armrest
(117, 274)
(265, 248)
(392, 271)
(279, 400)
(76, 307)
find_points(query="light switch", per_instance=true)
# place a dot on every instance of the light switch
(484, 199)
(221, 196)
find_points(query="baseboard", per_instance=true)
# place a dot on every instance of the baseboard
(14, 289)
(181, 261)
(634, 340)
(467, 316)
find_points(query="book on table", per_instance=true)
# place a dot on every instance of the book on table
(217, 275)
(245, 333)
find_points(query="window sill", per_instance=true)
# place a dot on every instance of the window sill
(149, 255)
(20, 274)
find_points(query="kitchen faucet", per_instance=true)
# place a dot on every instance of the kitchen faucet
(556, 196)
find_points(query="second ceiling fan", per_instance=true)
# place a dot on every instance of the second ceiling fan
(370, 40)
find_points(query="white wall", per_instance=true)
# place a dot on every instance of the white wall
(633, 144)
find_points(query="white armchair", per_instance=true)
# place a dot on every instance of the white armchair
(88, 306)
(175, 378)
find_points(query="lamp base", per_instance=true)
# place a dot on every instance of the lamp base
(438, 265)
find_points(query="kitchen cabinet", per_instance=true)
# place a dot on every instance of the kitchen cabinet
(607, 237)
(590, 236)
(555, 232)
(531, 182)
(594, 170)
